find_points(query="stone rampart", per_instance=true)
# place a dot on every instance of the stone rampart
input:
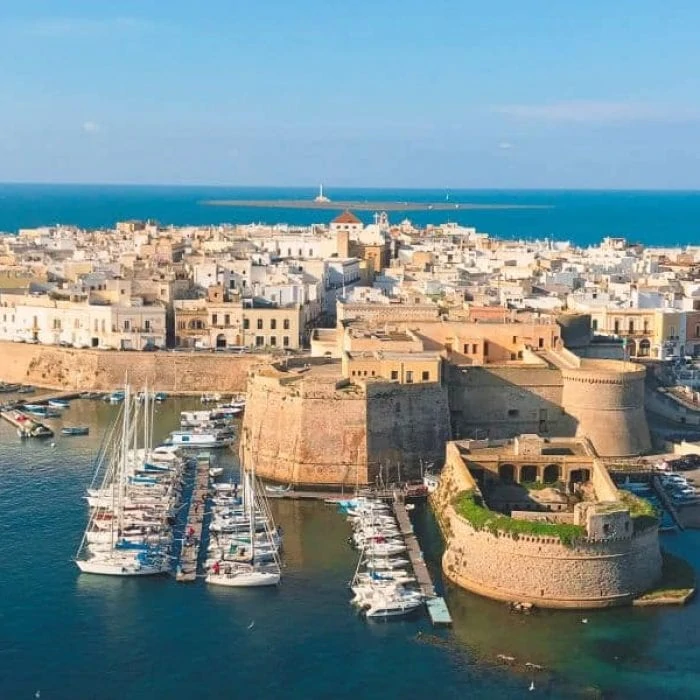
(101, 370)
(540, 570)
(324, 431)
(605, 398)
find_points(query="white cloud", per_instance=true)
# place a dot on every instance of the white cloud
(596, 112)
(90, 127)
(505, 146)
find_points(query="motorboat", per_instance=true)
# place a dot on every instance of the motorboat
(75, 430)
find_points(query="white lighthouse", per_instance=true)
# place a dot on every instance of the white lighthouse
(321, 197)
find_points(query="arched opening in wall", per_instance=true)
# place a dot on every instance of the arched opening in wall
(644, 348)
(631, 348)
(528, 474)
(506, 473)
(221, 341)
(578, 476)
(551, 474)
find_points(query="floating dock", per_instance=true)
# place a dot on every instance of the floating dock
(189, 554)
(26, 425)
(436, 606)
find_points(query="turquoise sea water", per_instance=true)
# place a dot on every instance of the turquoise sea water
(659, 218)
(71, 636)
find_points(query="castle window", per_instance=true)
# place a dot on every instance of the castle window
(273, 340)
(214, 319)
(540, 342)
(273, 324)
(515, 339)
(246, 324)
(285, 341)
(285, 324)
(466, 349)
(259, 341)
(486, 348)
(426, 376)
(513, 356)
(697, 331)
(394, 375)
(227, 320)
(260, 324)
(409, 377)
(474, 349)
(594, 324)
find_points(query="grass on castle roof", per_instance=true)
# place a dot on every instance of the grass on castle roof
(642, 512)
(481, 518)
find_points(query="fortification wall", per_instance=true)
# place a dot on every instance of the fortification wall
(305, 433)
(606, 400)
(507, 401)
(406, 424)
(540, 570)
(99, 370)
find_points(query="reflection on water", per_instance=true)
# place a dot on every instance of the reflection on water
(74, 635)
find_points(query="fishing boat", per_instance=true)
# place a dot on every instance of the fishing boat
(75, 430)
(58, 403)
(210, 398)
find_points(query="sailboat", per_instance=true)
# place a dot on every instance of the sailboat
(128, 532)
(256, 561)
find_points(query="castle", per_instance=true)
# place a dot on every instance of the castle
(393, 383)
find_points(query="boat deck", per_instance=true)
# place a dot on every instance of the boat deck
(189, 555)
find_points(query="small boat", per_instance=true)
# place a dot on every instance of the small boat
(26, 390)
(278, 490)
(160, 396)
(115, 397)
(216, 472)
(58, 403)
(75, 430)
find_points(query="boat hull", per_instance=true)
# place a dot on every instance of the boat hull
(111, 569)
(253, 579)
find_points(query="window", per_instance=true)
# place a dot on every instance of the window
(57, 324)
(285, 324)
(646, 326)
(466, 348)
(409, 377)
(214, 319)
(260, 324)
(246, 324)
(513, 413)
(540, 342)
(273, 324)
(273, 340)
(594, 324)
(426, 376)
(616, 326)
(513, 356)
(127, 325)
(515, 339)
(474, 349)
(486, 348)
(147, 325)
(394, 374)
(285, 341)
(631, 326)
(227, 319)
(259, 341)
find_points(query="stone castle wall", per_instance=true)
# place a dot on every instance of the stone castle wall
(606, 401)
(325, 431)
(69, 369)
(541, 570)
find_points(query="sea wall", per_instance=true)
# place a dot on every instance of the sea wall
(540, 570)
(70, 369)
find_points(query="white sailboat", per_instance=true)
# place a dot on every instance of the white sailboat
(255, 564)
(128, 532)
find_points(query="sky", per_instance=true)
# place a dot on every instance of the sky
(368, 93)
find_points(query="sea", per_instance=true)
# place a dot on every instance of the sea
(583, 217)
(67, 635)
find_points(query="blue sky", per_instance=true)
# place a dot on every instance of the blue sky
(378, 93)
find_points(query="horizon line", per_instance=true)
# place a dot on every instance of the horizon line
(314, 187)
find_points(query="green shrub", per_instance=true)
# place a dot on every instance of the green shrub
(481, 518)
